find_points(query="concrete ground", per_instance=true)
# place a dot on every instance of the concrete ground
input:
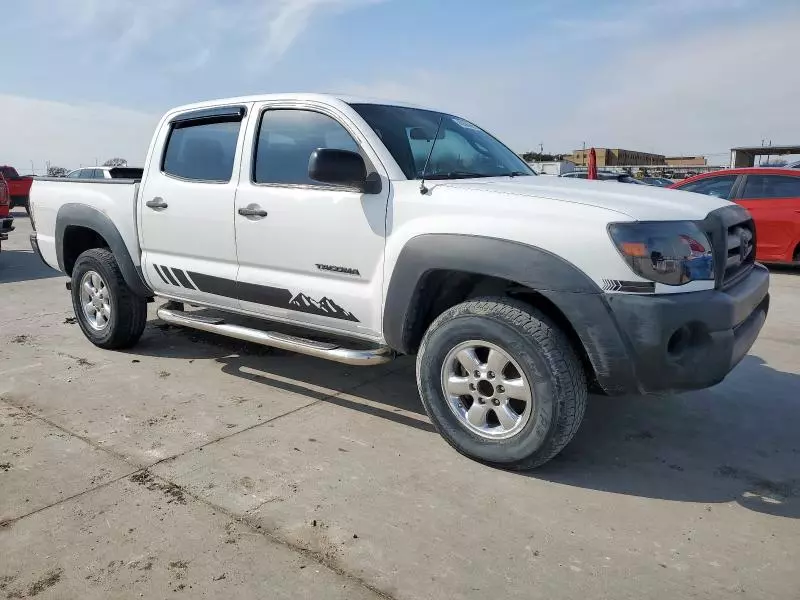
(200, 467)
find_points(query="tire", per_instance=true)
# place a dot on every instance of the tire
(536, 349)
(127, 312)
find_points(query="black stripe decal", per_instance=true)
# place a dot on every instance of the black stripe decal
(270, 296)
(160, 274)
(181, 276)
(169, 276)
(214, 285)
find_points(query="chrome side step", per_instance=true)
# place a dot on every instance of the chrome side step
(333, 352)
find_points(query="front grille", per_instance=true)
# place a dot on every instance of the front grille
(741, 252)
(733, 236)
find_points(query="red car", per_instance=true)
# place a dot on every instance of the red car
(18, 186)
(773, 198)
(6, 222)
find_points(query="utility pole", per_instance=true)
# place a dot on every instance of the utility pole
(584, 154)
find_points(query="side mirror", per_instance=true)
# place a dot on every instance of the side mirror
(339, 167)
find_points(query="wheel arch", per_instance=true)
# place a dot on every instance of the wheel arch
(80, 228)
(436, 271)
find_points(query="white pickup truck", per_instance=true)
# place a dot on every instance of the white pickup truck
(392, 229)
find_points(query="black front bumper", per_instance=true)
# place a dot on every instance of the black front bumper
(671, 342)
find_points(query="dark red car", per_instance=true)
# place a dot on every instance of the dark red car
(6, 221)
(18, 186)
(773, 198)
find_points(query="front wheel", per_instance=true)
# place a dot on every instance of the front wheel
(108, 311)
(501, 382)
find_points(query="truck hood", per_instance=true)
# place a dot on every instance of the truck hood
(639, 202)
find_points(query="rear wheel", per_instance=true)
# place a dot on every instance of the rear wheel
(501, 383)
(108, 311)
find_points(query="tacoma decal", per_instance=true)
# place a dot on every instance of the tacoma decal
(338, 269)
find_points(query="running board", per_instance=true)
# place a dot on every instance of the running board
(333, 352)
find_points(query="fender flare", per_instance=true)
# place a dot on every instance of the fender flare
(579, 299)
(80, 215)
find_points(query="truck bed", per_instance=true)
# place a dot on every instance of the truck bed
(114, 198)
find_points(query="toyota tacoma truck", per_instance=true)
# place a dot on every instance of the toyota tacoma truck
(384, 229)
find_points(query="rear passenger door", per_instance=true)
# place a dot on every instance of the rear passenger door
(186, 206)
(774, 202)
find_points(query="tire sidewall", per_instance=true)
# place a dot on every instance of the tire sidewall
(90, 263)
(541, 426)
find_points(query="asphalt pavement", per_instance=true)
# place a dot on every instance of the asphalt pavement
(203, 467)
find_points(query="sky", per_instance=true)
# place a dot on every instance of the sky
(86, 80)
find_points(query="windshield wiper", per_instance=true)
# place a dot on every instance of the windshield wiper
(517, 174)
(457, 175)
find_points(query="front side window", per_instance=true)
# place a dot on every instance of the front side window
(719, 187)
(771, 186)
(202, 150)
(461, 149)
(286, 140)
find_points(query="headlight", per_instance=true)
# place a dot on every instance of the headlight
(670, 252)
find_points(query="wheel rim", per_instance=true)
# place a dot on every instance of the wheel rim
(95, 300)
(487, 390)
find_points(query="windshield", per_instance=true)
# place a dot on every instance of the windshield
(461, 150)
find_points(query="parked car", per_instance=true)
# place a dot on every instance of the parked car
(19, 187)
(388, 229)
(106, 173)
(605, 176)
(771, 195)
(6, 220)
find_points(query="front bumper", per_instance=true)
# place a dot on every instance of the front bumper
(672, 342)
(692, 340)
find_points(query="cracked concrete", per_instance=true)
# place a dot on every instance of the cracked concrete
(248, 473)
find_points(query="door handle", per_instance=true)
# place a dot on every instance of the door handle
(253, 210)
(156, 202)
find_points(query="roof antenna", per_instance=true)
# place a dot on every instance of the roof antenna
(422, 189)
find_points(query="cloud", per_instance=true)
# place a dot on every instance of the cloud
(69, 135)
(185, 34)
(288, 19)
(725, 84)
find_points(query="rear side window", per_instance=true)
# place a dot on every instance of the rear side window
(202, 150)
(9, 172)
(771, 186)
(712, 186)
(286, 139)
